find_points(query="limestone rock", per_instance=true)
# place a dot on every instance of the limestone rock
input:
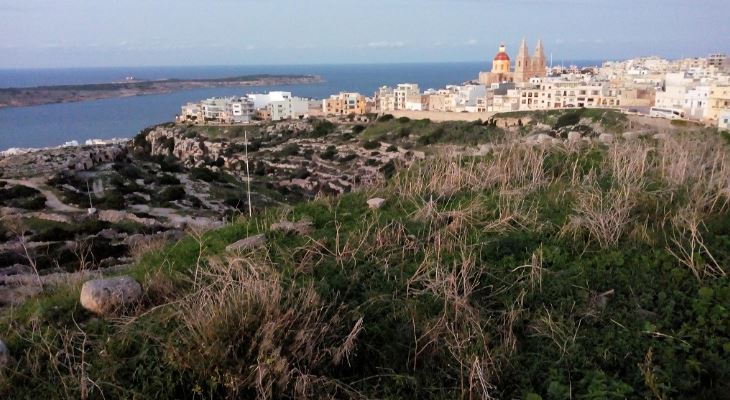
(4, 354)
(248, 243)
(376, 202)
(574, 136)
(606, 138)
(105, 296)
(115, 216)
(544, 138)
(631, 135)
(303, 227)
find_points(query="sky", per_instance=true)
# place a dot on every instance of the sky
(93, 33)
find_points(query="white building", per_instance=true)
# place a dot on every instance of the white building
(407, 95)
(385, 99)
(281, 105)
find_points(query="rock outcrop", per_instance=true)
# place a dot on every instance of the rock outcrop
(605, 138)
(376, 202)
(106, 296)
(248, 243)
(303, 227)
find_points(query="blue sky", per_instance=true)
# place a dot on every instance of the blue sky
(73, 33)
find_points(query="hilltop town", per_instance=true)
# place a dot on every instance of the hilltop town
(692, 89)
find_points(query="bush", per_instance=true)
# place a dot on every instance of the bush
(404, 120)
(301, 173)
(169, 164)
(347, 158)
(112, 201)
(18, 191)
(371, 145)
(329, 153)
(568, 119)
(171, 193)
(167, 179)
(290, 149)
(357, 129)
(207, 175)
(323, 128)
(385, 117)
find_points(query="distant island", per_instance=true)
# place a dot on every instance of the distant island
(39, 95)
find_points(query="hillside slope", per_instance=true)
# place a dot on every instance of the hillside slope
(549, 271)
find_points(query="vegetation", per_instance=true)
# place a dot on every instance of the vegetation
(533, 272)
(20, 196)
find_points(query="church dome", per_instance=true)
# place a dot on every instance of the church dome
(502, 55)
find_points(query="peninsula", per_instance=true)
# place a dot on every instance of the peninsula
(39, 95)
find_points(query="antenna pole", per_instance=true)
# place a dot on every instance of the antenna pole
(248, 176)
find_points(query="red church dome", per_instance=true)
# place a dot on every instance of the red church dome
(502, 55)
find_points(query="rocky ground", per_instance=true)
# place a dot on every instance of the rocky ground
(78, 209)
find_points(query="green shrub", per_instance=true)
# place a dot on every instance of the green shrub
(171, 193)
(206, 174)
(329, 153)
(323, 128)
(386, 118)
(568, 119)
(167, 179)
(290, 149)
(371, 144)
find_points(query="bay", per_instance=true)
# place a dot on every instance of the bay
(55, 124)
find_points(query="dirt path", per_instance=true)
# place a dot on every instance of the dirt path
(52, 201)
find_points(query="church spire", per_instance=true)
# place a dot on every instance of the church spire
(538, 61)
(523, 64)
(523, 49)
(539, 52)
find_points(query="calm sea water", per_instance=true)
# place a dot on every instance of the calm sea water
(54, 124)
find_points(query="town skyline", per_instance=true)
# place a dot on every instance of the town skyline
(80, 33)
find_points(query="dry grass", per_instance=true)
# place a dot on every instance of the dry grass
(688, 246)
(604, 216)
(61, 350)
(255, 334)
(458, 330)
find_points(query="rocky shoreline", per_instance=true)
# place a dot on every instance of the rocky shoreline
(40, 95)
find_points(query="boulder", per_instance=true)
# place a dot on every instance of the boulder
(376, 202)
(606, 138)
(632, 135)
(105, 296)
(248, 243)
(4, 354)
(303, 227)
(544, 138)
(661, 136)
(574, 136)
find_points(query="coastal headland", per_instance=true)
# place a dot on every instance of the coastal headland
(40, 95)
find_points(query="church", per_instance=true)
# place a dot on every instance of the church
(526, 67)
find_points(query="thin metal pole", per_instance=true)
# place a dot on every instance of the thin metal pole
(248, 176)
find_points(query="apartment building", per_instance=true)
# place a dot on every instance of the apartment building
(407, 96)
(346, 104)
(718, 102)
(385, 99)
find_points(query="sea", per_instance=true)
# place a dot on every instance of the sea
(56, 124)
